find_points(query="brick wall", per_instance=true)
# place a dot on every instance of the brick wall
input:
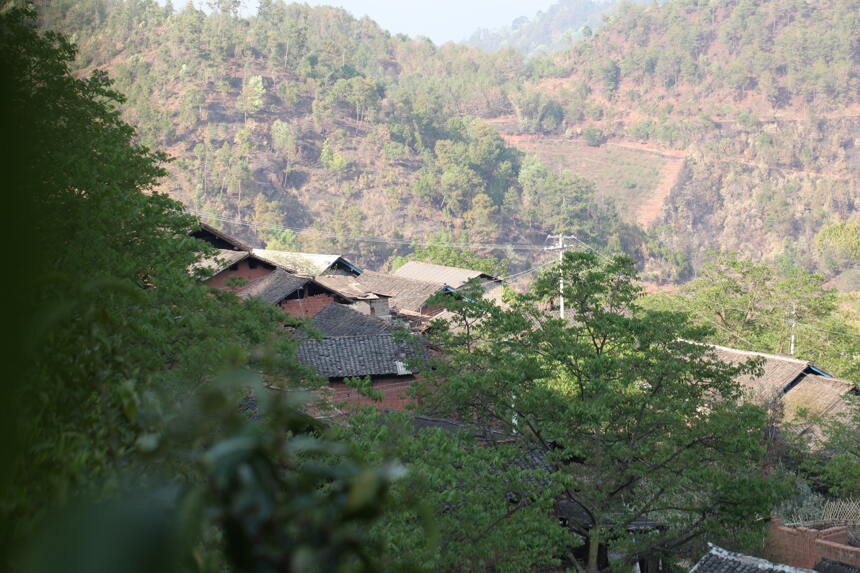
(804, 547)
(394, 392)
(308, 306)
(243, 270)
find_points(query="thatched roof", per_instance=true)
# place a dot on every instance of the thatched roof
(816, 397)
(806, 391)
(275, 286)
(406, 294)
(780, 372)
(454, 277)
(309, 264)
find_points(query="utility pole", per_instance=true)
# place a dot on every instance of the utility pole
(560, 248)
(793, 325)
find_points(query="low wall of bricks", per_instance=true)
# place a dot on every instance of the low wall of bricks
(804, 547)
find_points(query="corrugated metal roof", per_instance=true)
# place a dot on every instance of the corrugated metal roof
(454, 277)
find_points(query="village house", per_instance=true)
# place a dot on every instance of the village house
(804, 391)
(719, 560)
(354, 317)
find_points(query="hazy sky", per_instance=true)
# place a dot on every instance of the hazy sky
(440, 20)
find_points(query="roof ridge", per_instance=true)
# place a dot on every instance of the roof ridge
(762, 354)
(757, 562)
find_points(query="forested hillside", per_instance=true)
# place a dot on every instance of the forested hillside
(729, 125)
(306, 117)
(563, 24)
(761, 96)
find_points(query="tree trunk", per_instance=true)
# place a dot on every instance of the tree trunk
(593, 549)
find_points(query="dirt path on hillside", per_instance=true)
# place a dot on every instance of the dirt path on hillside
(649, 210)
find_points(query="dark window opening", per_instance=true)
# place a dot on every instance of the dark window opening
(234, 267)
(252, 264)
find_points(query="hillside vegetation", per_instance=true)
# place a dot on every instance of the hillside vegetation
(763, 96)
(728, 125)
(308, 118)
(563, 24)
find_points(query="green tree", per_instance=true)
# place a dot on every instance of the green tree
(253, 95)
(454, 256)
(840, 244)
(115, 328)
(760, 307)
(468, 505)
(638, 422)
(135, 385)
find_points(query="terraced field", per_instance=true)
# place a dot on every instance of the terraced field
(636, 177)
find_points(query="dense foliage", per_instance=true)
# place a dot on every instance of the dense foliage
(590, 395)
(121, 348)
(770, 309)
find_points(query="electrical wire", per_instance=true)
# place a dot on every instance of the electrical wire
(369, 239)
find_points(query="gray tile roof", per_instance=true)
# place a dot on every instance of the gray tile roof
(452, 276)
(211, 266)
(718, 560)
(218, 238)
(347, 286)
(310, 264)
(274, 287)
(342, 320)
(348, 356)
(779, 371)
(405, 293)
(830, 566)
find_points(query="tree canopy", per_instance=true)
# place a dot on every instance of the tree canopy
(641, 425)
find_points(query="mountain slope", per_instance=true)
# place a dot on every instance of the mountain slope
(307, 118)
(547, 32)
(762, 96)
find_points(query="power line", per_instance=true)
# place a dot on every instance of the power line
(683, 302)
(400, 242)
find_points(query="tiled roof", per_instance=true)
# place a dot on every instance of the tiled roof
(274, 287)
(718, 560)
(218, 238)
(406, 294)
(223, 260)
(779, 371)
(349, 356)
(347, 286)
(799, 384)
(341, 320)
(309, 264)
(830, 566)
(817, 397)
(454, 277)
